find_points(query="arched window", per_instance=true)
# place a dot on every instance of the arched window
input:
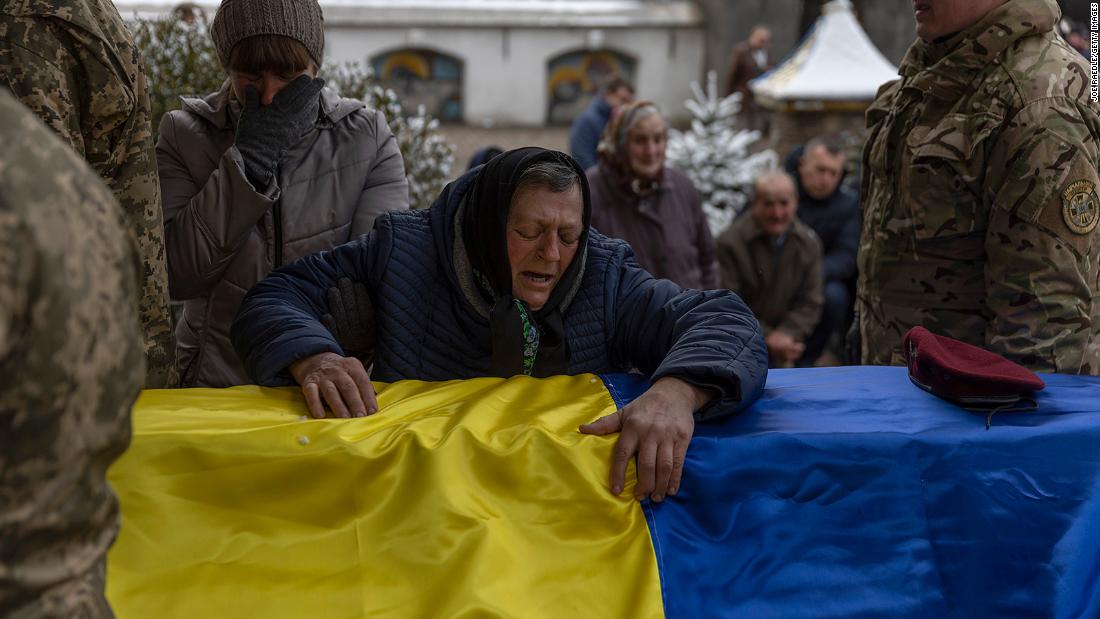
(573, 78)
(423, 77)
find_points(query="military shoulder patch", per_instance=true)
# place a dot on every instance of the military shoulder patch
(1081, 207)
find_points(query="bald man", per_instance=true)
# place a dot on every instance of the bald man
(774, 262)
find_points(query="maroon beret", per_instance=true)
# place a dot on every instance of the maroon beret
(965, 374)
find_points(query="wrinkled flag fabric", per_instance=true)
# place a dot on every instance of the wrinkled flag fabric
(843, 492)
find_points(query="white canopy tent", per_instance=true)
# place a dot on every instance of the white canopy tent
(836, 66)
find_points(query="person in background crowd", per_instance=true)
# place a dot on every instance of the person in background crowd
(774, 262)
(750, 60)
(188, 12)
(503, 276)
(980, 204)
(1074, 35)
(483, 155)
(584, 134)
(1078, 42)
(72, 356)
(75, 65)
(832, 212)
(655, 208)
(271, 167)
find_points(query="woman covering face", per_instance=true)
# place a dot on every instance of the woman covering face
(272, 167)
(503, 276)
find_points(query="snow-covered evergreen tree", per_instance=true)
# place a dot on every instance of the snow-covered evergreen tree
(715, 156)
(179, 59)
(428, 157)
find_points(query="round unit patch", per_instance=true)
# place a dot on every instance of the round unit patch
(1081, 207)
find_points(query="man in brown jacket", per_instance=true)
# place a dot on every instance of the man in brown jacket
(750, 60)
(774, 262)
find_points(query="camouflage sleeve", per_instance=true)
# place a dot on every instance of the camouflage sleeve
(134, 182)
(1041, 272)
(16, 270)
(101, 108)
(38, 70)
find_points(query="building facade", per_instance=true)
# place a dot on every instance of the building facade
(509, 62)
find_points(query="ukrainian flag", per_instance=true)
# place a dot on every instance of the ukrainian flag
(475, 498)
(842, 492)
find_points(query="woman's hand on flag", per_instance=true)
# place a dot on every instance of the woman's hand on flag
(342, 382)
(657, 427)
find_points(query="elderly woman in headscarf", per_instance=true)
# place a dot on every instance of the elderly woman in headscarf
(504, 276)
(655, 208)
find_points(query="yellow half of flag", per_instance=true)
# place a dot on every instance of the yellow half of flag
(473, 498)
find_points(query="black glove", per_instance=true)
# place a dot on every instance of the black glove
(351, 318)
(266, 132)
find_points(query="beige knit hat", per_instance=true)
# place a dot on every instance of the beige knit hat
(237, 20)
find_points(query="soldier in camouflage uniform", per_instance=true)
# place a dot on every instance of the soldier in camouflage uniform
(980, 192)
(74, 63)
(71, 358)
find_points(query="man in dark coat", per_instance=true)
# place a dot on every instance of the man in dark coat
(832, 212)
(584, 135)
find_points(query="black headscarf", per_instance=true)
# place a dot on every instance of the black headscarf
(524, 341)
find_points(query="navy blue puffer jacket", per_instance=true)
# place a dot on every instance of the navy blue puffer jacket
(429, 325)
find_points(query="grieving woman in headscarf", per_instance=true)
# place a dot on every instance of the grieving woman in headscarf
(503, 276)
